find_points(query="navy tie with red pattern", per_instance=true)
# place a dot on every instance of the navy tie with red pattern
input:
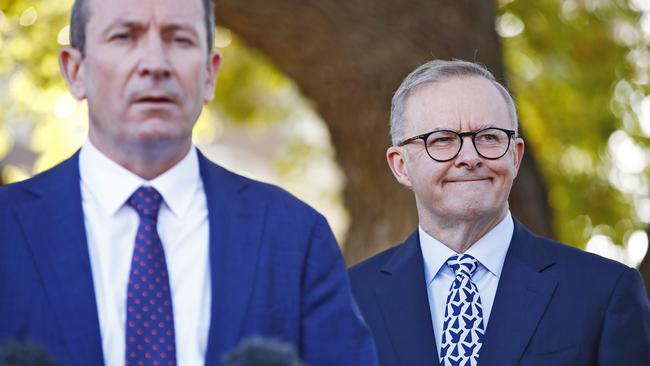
(150, 339)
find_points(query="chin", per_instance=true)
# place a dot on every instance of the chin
(159, 131)
(469, 211)
(158, 141)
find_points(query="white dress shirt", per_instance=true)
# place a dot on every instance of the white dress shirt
(183, 227)
(490, 251)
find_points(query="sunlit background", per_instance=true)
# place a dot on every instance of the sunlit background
(579, 70)
(259, 125)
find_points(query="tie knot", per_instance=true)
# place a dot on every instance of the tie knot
(146, 202)
(463, 265)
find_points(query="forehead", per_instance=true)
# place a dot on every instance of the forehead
(457, 103)
(162, 11)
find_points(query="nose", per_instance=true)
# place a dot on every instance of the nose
(154, 60)
(468, 157)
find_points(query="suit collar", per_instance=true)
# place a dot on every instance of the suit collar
(53, 225)
(490, 250)
(111, 184)
(523, 294)
(236, 224)
(410, 329)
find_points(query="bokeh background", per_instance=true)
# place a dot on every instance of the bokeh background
(304, 92)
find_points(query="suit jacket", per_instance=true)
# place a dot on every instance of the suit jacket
(554, 305)
(276, 271)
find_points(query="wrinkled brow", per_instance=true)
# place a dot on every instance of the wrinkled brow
(139, 25)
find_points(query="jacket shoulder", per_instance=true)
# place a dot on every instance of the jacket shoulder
(13, 193)
(370, 266)
(581, 259)
(259, 194)
(538, 249)
(62, 174)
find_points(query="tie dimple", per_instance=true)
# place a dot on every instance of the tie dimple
(146, 202)
(150, 337)
(463, 265)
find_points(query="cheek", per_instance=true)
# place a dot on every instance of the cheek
(428, 182)
(106, 82)
(505, 176)
(191, 70)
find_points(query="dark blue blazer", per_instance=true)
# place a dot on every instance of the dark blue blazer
(276, 271)
(555, 306)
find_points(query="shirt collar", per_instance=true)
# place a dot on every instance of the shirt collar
(490, 250)
(112, 185)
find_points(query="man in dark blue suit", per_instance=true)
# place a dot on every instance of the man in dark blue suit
(472, 285)
(137, 250)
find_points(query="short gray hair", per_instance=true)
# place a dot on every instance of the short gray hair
(81, 14)
(435, 71)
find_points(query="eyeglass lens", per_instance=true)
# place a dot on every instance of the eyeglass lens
(490, 143)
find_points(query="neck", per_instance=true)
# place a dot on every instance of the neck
(459, 234)
(146, 160)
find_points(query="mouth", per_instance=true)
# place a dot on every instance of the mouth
(467, 180)
(154, 99)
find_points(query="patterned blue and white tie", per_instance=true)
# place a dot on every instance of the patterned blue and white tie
(463, 329)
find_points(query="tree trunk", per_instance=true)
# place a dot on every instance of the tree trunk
(349, 57)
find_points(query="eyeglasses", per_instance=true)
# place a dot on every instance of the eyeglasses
(444, 145)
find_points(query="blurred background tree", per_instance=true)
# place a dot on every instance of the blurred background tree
(578, 69)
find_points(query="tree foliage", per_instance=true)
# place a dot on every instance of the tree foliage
(579, 70)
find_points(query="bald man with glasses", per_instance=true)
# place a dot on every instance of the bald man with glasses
(472, 285)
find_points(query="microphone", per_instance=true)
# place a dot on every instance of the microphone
(259, 351)
(14, 353)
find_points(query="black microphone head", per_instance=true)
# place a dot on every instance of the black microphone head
(14, 353)
(258, 351)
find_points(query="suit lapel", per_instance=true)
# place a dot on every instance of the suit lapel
(235, 236)
(522, 296)
(53, 223)
(402, 296)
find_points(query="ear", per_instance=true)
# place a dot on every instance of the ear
(397, 162)
(213, 68)
(519, 153)
(71, 65)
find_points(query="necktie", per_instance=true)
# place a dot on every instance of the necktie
(463, 330)
(150, 339)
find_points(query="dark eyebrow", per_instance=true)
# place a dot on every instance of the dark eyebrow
(122, 22)
(187, 27)
(133, 24)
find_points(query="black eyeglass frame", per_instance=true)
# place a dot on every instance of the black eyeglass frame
(462, 136)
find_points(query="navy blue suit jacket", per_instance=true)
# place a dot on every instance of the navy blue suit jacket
(555, 306)
(276, 271)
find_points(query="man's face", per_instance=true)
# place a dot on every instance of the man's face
(467, 187)
(146, 71)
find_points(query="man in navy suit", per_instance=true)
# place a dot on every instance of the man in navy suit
(137, 250)
(472, 285)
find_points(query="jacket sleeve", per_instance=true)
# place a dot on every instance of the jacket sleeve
(625, 337)
(333, 330)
